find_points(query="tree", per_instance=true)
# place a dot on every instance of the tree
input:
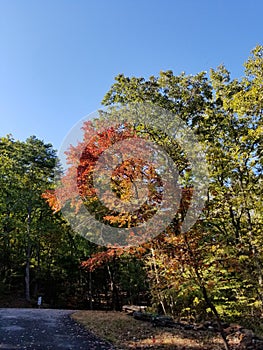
(227, 117)
(27, 169)
(40, 254)
(219, 258)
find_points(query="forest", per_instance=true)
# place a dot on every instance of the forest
(213, 270)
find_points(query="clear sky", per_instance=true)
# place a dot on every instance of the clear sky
(59, 57)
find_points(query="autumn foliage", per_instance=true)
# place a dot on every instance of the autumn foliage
(216, 266)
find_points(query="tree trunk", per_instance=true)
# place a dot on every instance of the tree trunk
(27, 277)
(158, 281)
(208, 301)
(28, 256)
(90, 291)
(217, 317)
(114, 289)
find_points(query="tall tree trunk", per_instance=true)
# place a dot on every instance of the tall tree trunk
(113, 287)
(158, 281)
(203, 289)
(211, 305)
(28, 256)
(90, 291)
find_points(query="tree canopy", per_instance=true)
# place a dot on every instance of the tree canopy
(212, 268)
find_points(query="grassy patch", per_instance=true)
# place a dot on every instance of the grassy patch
(127, 333)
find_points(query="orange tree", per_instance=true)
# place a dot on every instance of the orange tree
(173, 244)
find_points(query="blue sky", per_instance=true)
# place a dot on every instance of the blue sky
(59, 57)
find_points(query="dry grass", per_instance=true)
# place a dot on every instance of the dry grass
(127, 333)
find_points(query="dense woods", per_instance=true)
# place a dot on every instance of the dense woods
(212, 270)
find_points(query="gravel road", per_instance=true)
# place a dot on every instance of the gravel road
(45, 329)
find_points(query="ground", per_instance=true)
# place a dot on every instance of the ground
(127, 333)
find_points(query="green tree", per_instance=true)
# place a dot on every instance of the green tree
(27, 170)
(39, 251)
